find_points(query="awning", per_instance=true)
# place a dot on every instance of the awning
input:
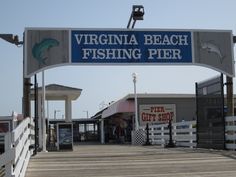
(58, 92)
(121, 106)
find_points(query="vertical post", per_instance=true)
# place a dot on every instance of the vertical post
(170, 132)
(68, 110)
(223, 107)
(197, 120)
(94, 127)
(40, 126)
(175, 128)
(135, 102)
(26, 97)
(85, 131)
(133, 122)
(48, 124)
(170, 144)
(102, 132)
(230, 99)
(147, 133)
(43, 113)
(36, 136)
(162, 136)
(26, 88)
(136, 107)
(8, 146)
(140, 10)
(191, 135)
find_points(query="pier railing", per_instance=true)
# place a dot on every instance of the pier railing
(14, 161)
(184, 134)
(230, 132)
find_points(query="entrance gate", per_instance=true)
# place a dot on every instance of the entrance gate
(210, 114)
(47, 48)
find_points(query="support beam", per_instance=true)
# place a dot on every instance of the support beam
(68, 110)
(40, 128)
(230, 98)
(102, 131)
(43, 113)
(26, 97)
(36, 117)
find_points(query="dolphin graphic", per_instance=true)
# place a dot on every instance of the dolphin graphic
(212, 48)
(40, 48)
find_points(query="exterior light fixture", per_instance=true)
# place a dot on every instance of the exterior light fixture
(136, 14)
(14, 39)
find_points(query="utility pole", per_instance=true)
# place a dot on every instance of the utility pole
(136, 14)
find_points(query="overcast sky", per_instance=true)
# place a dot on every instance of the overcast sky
(103, 84)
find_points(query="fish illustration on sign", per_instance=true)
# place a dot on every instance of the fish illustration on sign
(39, 49)
(212, 48)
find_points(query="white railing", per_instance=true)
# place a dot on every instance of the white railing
(184, 134)
(17, 154)
(230, 132)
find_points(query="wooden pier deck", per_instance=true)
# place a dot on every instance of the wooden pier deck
(133, 161)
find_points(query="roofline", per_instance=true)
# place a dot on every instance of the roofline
(159, 95)
(74, 120)
(60, 86)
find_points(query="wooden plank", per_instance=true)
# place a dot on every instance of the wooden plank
(132, 161)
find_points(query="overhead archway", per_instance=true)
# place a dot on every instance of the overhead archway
(47, 48)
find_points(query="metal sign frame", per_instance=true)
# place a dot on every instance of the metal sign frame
(209, 48)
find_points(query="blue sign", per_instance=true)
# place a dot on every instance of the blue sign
(90, 46)
(46, 48)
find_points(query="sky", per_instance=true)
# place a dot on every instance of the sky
(104, 84)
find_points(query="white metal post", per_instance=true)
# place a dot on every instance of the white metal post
(163, 136)
(40, 126)
(43, 113)
(191, 135)
(135, 102)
